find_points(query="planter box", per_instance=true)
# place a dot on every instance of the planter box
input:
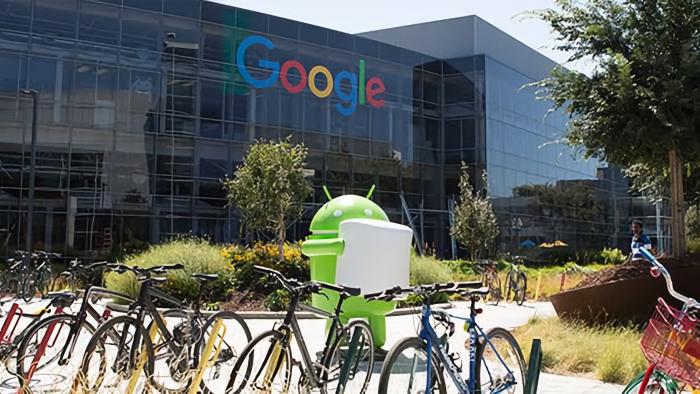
(625, 301)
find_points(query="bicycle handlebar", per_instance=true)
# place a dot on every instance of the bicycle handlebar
(449, 287)
(294, 285)
(143, 272)
(689, 302)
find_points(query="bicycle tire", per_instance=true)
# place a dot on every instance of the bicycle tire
(98, 339)
(22, 351)
(393, 356)
(183, 358)
(657, 381)
(520, 288)
(28, 288)
(357, 387)
(483, 347)
(275, 337)
(493, 281)
(208, 324)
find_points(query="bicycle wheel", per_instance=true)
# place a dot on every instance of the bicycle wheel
(349, 365)
(270, 360)
(172, 360)
(27, 288)
(500, 366)
(45, 341)
(658, 384)
(122, 357)
(236, 337)
(406, 370)
(519, 287)
(44, 282)
(493, 282)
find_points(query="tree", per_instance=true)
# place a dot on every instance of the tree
(692, 222)
(475, 225)
(640, 105)
(269, 187)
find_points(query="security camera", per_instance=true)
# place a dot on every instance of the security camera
(170, 36)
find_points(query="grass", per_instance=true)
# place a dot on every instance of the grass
(197, 255)
(428, 270)
(606, 353)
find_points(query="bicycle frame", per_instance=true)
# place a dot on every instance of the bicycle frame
(290, 326)
(428, 334)
(145, 305)
(87, 309)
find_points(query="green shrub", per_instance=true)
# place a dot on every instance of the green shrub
(612, 256)
(428, 270)
(278, 300)
(197, 255)
(243, 258)
(462, 269)
(694, 246)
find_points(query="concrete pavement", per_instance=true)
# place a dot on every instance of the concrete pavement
(503, 315)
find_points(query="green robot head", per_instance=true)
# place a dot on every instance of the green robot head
(327, 220)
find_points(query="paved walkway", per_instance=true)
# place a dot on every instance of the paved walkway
(556, 384)
(503, 315)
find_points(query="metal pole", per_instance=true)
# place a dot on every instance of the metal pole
(30, 210)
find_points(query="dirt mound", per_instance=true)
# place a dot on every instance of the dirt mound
(634, 270)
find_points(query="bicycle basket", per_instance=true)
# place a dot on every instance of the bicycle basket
(671, 341)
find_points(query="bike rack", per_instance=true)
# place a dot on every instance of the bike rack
(39, 354)
(345, 371)
(14, 310)
(214, 343)
(153, 334)
(534, 366)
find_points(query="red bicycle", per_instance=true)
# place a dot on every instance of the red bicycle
(671, 342)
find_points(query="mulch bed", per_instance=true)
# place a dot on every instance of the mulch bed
(245, 301)
(634, 270)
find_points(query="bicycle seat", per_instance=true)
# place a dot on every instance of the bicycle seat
(482, 291)
(205, 278)
(61, 299)
(159, 279)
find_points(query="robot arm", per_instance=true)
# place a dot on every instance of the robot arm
(323, 247)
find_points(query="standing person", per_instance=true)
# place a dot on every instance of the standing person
(639, 240)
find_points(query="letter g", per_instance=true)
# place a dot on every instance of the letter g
(263, 63)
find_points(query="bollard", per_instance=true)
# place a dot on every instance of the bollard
(534, 366)
(563, 279)
(537, 288)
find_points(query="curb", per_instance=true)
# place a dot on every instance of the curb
(261, 315)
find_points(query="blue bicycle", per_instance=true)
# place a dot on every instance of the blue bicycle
(496, 363)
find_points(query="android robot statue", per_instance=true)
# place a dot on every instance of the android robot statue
(326, 247)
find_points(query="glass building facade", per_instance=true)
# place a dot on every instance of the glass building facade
(145, 105)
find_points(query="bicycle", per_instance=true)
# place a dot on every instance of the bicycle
(670, 343)
(157, 356)
(496, 363)
(50, 344)
(10, 338)
(31, 272)
(490, 279)
(196, 327)
(344, 365)
(516, 280)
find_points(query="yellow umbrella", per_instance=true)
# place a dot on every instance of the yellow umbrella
(546, 245)
(560, 243)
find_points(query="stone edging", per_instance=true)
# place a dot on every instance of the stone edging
(279, 315)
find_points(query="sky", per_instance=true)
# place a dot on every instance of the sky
(364, 15)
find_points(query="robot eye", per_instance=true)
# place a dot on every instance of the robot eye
(368, 212)
(337, 213)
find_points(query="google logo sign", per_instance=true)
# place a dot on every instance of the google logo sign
(360, 91)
